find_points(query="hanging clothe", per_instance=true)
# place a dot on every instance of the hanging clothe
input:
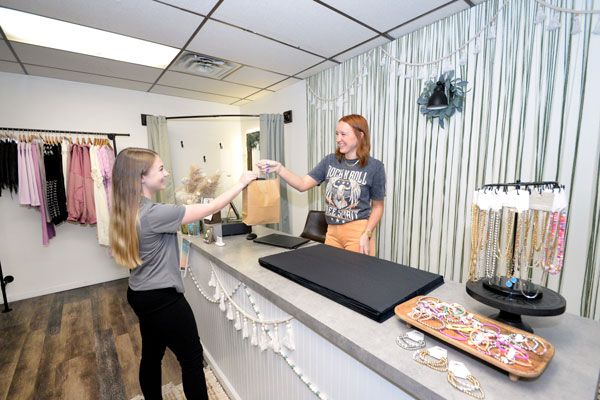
(48, 231)
(38, 148)
(100, 202)
(9, 179)
(56, 197)
(106, 159)
(80, 190)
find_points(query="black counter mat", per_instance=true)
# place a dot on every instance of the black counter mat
(365, 284)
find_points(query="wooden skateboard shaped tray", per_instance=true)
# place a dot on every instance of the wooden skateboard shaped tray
(515, 371)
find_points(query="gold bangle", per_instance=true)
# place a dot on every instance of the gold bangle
(368, 232)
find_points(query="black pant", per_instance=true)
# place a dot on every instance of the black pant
(167, 320)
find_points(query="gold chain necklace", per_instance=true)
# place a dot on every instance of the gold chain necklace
(351, 165)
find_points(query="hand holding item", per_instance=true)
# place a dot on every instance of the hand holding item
(365, 244)
(268, 166)
(247, 177)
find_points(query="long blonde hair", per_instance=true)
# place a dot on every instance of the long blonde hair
(130, 165)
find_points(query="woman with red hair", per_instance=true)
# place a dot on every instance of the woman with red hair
(355, 186)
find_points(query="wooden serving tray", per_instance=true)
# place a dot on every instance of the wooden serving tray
(514, 371)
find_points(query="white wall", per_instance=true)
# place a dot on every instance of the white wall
(296, 154)
(73, 258)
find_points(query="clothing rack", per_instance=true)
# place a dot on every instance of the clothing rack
(525, 185)
(111, 136)
(144, 123)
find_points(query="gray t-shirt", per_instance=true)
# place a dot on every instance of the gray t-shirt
(159, 251)
(349, 189)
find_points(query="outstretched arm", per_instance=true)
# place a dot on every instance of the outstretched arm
(301, 184)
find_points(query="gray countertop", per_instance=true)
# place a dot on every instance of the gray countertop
(573, 372)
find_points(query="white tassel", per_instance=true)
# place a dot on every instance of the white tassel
(409, 73)
(276, 346)
(576, 25)
(212, 282)
(217, 294)
(477, 47)
(288, 340)
(351, 91)
(540, 16)
(492, 31)
(229, 314)
(554, 23)
(254, 338)
(596, 30)
(238, 321)
(447, 66)
(245, 328)
(382, 62)
(263, 344)
(222, 302)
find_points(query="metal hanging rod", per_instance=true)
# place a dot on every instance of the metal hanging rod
(110, 136)
(202, 116)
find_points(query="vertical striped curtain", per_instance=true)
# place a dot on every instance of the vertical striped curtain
(529, 114)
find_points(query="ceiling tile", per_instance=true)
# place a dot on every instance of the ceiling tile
(241, 103)
(448, 10)
(302, 23)
(5, 53)
(317, 68)
(376, 42)
(44, 56)
(197, 83)
(198, 6)
(384, 15)
(258, 95)
(86, 78)
(254, 77)
(283, 84)
(223, 41)
(170, 91)
(12, 67)
(142, 19)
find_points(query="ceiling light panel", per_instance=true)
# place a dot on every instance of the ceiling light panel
(192, 94)
(5, 53)
(384, 15)
(86, 78)
(142, 19)
(254, 77)
(229, 43)
(47, 32)
(187, 81)
(302, 23)
(46, 57)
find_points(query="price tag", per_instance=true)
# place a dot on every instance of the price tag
(511, 353)
(437, 352)
(458, 369)
(415, 336)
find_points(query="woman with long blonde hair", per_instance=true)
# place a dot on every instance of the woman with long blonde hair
(143, 238)
(355, 186)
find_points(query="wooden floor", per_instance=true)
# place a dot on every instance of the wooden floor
(79, 344)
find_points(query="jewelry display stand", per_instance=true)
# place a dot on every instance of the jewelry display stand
(514, 297)
(513, 304)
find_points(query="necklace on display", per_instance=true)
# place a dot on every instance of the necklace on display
(352, 164)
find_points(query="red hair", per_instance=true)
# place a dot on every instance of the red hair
(359, 125)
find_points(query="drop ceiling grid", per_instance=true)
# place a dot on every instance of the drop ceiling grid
(197, 83)
(223, 41)
(198, 6)
(170, 91)
(65, 60)
(142, 19)
(300, 23)
(5, 53)
(254, 77)
(9, 66)
(443, 12)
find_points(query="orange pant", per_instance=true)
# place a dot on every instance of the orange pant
(347, 236)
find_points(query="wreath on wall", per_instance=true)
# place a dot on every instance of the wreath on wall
(454, 89)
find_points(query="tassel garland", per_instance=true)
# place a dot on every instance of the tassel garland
(222, 302)
(212, 282)
(263, 344)
(245, 328)
(288, 340)
(254, 338)
(276, 347)
(229, 314)
(217, 293)
(238, 321)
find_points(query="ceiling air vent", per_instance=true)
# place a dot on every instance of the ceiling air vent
(199, 64)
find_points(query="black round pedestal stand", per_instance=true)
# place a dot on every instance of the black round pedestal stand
(547, 303)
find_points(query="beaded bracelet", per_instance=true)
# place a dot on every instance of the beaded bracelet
(472, 388)
(441, 365)
(408, 344)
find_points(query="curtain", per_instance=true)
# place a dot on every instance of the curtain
(272, 148)
(158, 140)
(528, 115)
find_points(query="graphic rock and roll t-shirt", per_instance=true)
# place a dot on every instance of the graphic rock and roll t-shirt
(349, 189)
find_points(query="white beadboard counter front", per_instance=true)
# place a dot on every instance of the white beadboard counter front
(348, 356)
